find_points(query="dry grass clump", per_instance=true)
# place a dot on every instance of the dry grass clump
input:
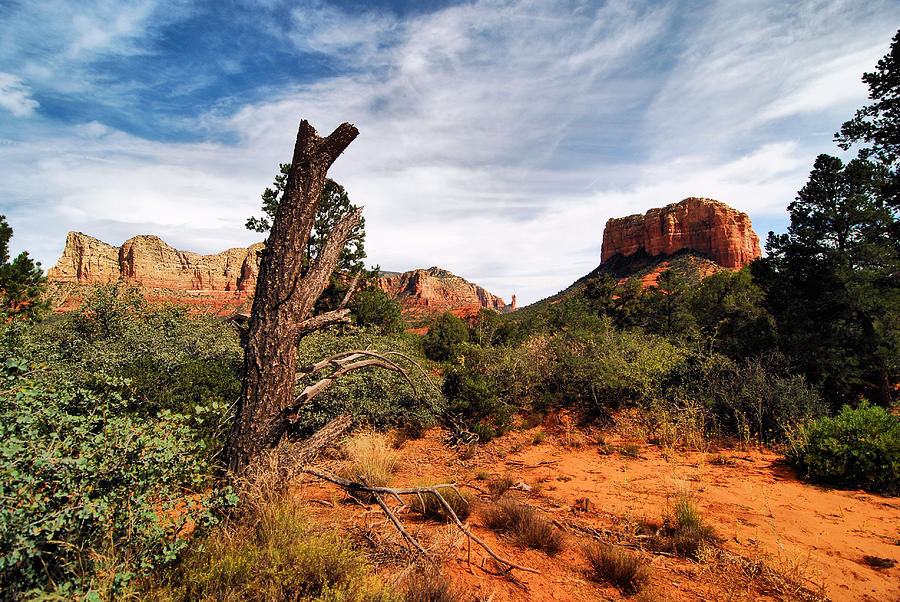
(429, 584)
(525, 524)
(430, 507)
(685, 532)
(630, 450)
(499, 485)
(371, 458)
(625, 570)
(271, 553)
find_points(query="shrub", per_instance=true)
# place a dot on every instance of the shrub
(383, 397)
(860, 447)
(623, 569)
(374, 307)
(525, 524)
(473, 403)
(88, 485)
(606, 368)
(188, 365)
(754, 398)
(444, 336)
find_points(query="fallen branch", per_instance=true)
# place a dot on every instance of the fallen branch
(353, 487)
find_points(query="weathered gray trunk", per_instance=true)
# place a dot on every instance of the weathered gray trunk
(285, 298)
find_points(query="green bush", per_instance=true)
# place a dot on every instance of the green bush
(860, 447)
(375, 308)
(755, 398)
(188, 365)
(444, 336)
(604, 368)
(87, 485)
(473, 403)
(380, 396)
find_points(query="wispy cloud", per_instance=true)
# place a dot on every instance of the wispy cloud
(15, 96)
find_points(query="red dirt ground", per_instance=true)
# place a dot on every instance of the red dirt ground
(809, 536)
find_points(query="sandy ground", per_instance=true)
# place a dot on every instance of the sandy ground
(804, 535)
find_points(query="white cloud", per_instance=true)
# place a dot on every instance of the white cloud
(15, 96)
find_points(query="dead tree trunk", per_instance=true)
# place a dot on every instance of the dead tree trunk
(284, 297)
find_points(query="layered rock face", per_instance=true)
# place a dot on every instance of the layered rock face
(225, 282)
(226, 279)
(706, 226)
(427, 292)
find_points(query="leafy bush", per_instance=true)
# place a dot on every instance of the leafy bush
(609, 367)
(473, 403)
(381, 397)
(86, 483)
(860, 447)
(188, 365)
(444, 336)
(375, 308)
(755, 398)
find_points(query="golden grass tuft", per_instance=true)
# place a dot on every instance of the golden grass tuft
(370, 458)
(271, 553)
(527, 527)
(433, 509)
(623, 569)
(428, 584)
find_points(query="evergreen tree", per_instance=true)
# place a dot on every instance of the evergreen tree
(21, 280)
(831, 281)
(334, 205)
(444, 336)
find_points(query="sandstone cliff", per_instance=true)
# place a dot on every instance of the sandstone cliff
(423, 293)
(705, 226)
(224, 281)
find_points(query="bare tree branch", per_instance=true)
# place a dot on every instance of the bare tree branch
(354, 487)
(350, 290)
(330, 318)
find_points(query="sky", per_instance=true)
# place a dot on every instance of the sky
(496, 138)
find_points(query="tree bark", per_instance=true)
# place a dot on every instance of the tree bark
(285, 297)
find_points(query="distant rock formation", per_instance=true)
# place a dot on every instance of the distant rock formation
(424, 293)
(705, 226)
(225, 280)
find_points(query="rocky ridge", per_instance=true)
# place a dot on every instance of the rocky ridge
(223, 282)
(427, 292)
(702, 225)
(226, 281)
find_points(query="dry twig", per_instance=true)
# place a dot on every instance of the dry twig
(354, 487)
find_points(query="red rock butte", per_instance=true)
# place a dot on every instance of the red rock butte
(705, 226)
(426, 292)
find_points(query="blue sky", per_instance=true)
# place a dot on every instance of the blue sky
(496, 137)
